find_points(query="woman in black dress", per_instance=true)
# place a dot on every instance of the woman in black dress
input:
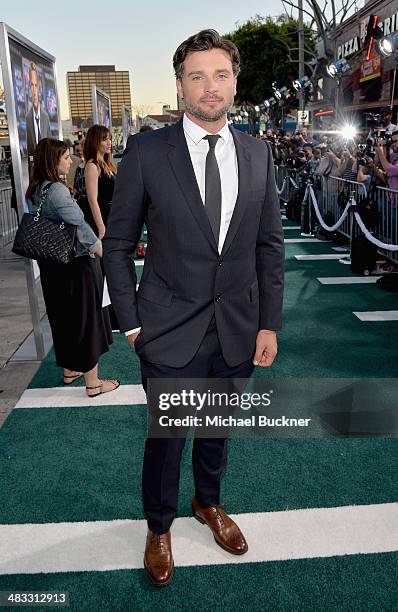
(99, 179)
(99, 175)
(72, 292)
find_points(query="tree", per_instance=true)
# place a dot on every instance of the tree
(269, 54)
(142, 110)
(324, 15)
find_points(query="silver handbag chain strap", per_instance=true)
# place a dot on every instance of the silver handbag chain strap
(43, 196)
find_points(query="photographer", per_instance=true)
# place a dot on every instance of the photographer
(390, 167)
(348, 167)
(296, 159)
(329, 161)
(389, 127)
(369, 173)
(307, 172)
(390, 224)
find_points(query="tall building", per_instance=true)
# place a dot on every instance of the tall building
(116, 83)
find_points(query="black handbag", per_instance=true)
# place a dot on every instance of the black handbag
(41, 238)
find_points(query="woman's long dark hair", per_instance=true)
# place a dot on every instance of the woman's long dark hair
(95, 135)
(45, 163)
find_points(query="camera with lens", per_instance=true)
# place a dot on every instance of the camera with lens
(294, 163)
(384, 138)
(365, 161)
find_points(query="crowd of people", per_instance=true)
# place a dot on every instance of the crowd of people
(372, 161)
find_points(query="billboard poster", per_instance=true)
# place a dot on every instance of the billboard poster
(101, 108)
(126, 124)
(32, 107)
(36, 105)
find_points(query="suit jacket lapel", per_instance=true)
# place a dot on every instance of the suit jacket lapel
(244, 182)
(181, 164)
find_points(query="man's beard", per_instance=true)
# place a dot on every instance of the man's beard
(210, 115)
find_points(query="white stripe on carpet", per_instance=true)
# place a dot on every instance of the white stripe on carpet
(65, 397)
(317, 257)
(272, 536)
(377, 315)
(139, 262)
(347, 280)
(291, 227)
(297, 240)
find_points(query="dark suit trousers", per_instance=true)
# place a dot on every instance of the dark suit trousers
(162, 457)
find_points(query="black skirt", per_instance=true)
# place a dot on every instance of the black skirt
(80, 327)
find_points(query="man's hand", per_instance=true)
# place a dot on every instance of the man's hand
(132, 338)
(266, 348)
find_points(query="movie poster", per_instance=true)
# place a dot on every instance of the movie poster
(101, 108)
(126, 124)
(35, 96)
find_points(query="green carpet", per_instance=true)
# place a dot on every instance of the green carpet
(84, 464)
(75, 464)
(356, 583)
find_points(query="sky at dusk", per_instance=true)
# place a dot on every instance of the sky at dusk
(139, 37)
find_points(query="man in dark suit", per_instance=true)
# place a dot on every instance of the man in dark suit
(210, 298)
(37, 119)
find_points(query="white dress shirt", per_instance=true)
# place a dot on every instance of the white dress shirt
(228, 167)
(227, 164)
(35, 122)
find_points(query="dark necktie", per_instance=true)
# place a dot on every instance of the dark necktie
(38, 128)
(213, 186)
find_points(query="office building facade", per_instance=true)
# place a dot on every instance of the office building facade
(114, 82)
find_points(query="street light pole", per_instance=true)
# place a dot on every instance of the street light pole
(301, 50)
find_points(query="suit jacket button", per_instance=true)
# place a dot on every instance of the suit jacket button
(218, 298)
(220, 261)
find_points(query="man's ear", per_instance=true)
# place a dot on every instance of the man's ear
(179, 89)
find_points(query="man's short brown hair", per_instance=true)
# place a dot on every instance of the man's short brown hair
(204, 41)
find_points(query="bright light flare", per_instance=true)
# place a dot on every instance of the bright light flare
(348, 132)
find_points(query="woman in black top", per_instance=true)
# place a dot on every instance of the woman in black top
(99, 175)
(99, 179)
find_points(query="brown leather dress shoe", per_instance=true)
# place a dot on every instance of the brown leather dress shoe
(158, 558)
(226, 533)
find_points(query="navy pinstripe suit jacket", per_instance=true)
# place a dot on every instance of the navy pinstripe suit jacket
(185, 280)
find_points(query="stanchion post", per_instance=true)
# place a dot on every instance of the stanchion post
(353, 205)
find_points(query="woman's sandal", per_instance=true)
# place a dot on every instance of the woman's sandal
(115, 382)
(68, 380)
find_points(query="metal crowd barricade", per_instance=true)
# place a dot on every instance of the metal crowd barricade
(282, 177)
(8, 221)
(386, 201)
(387, 227)
(332, 187)
(4, 174)
(281, 174)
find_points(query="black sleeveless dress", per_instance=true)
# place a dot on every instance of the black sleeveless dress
(106, 185)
